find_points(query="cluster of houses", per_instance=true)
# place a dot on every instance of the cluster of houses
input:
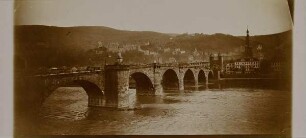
(248, 64)
(242, 66)
(253, 66)
(116, 47)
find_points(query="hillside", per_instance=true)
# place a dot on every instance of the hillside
(46, 46)
(210, 43)
(78, 37)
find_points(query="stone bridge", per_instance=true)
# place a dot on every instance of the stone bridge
(169, 76)
(113, 86)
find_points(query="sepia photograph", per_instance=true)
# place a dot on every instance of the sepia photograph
(153, 67)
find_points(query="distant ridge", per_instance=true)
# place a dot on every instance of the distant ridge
(82, 36)
(43, 45)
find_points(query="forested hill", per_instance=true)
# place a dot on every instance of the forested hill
(83, 37)
(47, 46)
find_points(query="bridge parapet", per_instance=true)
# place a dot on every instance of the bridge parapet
(158, 65)
(141, 66)
(68, 74)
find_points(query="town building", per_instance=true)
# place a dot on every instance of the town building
(216, 64)
(230, 67)
(245, 65)
(276, 66)
(277, 63)
(171, 60)
(167, 50)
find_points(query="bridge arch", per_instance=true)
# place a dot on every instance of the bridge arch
(211, 75)
(189, 78)
(141, 82)
(170, 79)
(90, 88)
(82, 92)
(201, 77)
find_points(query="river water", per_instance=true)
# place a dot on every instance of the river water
(202, 111)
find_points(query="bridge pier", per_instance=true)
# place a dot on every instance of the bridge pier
(117, 91)
(206, 79)
(181, 84)
(158, 89)
(196, 82)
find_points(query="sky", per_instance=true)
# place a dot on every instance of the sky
(167, 16)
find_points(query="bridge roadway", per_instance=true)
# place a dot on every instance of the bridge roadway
(111, 87)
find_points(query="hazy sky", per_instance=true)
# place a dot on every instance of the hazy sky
(169, 16)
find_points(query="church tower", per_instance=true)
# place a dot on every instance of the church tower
(248, 48)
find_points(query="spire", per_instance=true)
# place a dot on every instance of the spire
(247, 30)
(248, 48)
(247, 39)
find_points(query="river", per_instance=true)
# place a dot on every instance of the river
(202, 111)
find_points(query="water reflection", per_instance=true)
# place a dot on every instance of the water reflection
(65, 103)
(196, 110)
